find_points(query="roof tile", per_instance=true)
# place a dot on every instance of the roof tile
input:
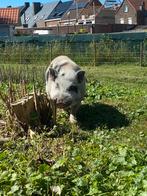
(9, 16)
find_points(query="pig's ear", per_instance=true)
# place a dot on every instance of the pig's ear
(80, 76)
(51, 73)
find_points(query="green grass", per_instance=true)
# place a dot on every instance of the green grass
(105, 154)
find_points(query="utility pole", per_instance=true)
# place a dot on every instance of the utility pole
(77, 12)
(94, 8)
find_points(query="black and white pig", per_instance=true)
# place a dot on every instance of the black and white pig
(65, 84)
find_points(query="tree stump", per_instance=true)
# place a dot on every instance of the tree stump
(28, 109)
(32, 110)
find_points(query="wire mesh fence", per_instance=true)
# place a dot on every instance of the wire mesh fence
(84, 53)
(29, 61)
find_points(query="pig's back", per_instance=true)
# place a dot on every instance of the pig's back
(64, 62)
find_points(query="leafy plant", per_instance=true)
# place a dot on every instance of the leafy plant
(105, 154)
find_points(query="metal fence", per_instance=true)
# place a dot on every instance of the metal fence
(84, 53)
(28, 61)
(88, 49)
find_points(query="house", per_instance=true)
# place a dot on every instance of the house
(55, 17)
(9, 18)
(29, 13)
(88, 14)
(36, 13)
(132, 12)
(81, 12)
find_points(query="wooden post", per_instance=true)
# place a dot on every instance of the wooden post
(94, 53)
(20, 54)
(50, 52)
(141, 53)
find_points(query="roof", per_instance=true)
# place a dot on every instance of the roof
(43, 14)
(26, 17)
(46, 10)
(77, 9)
(9, 16)
(59, 10)
(92, 8)
(137, 4)
(72, 11)
(79, 4)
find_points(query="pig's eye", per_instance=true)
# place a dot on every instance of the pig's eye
(73, 88)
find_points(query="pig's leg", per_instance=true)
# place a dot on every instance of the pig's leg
(73, 111)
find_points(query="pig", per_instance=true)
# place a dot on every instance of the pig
(65, 85)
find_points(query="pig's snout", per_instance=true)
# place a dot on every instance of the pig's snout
(63, 103)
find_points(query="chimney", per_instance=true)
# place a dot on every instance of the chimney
(25, 25)
(36, 7)
(26, 5)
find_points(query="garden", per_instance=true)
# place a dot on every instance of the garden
(105, 153)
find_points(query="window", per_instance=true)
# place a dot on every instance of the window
(140, 8)
(35, 17)
(80, 22)
(27, 19)
(42, 17)
(121, 20)
(126, 9)
(88, 22)
(130, 20)
(83, 17)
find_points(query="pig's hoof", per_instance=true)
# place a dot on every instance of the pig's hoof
(72, 119)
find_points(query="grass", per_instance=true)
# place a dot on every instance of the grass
(105, 154)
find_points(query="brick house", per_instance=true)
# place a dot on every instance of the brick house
(81, 12)
(132, 12)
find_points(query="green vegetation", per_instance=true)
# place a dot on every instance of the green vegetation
(105, 154)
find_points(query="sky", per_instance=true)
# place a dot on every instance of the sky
(13, 3)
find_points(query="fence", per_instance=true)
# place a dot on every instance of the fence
(84, 53)
(28, 61)
(26, 58)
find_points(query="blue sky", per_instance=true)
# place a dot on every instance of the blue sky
(5, 3)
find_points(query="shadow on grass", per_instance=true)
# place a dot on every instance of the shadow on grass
(100, 115)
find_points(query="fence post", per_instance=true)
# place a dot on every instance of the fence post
(50, 51)
(20, 54)
(141, 53)
(94, 53)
